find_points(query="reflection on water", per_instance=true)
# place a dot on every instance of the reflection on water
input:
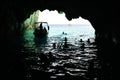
(43, 59)
(40, 41)
(73, 33)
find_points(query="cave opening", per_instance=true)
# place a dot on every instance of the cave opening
(101, 15)
(68, 48)
(60, 26)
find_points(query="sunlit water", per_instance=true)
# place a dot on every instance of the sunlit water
(74, 62)
(72, 32)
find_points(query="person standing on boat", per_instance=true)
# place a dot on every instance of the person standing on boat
(41, 27)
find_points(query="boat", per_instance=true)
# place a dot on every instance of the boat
(41, 29)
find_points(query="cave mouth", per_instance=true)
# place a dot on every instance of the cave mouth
(78, 28)
(65, 51)
(60, 24)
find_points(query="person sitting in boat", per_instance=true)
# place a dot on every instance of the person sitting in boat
(45, 30)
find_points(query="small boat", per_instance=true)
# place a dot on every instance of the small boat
(41, 30)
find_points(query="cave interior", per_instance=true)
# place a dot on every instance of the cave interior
(102, 15)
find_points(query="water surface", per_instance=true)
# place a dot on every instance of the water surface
(72, 61)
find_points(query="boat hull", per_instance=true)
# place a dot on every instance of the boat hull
(40, 34)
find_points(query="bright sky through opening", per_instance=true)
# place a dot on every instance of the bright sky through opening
(53, 17)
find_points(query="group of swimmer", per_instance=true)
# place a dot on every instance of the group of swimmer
(65, 44)
(46, 59)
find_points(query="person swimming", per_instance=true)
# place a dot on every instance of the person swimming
(64, 33)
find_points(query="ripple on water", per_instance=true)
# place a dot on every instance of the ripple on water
(71, 61)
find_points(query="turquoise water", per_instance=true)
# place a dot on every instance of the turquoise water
(72, 32)
(73, 60)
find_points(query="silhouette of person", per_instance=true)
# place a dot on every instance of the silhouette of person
(65, 43)
(41, 27)
(81, 40)
(45, 30)
(65, 39)
(88, 41)
(54, 45)
(48, 27)
(83, 46)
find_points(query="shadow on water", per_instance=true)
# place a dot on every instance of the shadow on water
(66, 61)
(26, 55)
(40, 41)
(28, 40)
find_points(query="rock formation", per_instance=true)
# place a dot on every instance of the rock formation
(102, 15)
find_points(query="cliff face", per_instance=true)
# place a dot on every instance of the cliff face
(102, 15)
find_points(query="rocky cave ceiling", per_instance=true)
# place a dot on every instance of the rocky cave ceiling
(99, 13)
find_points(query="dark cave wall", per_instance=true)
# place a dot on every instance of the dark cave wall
(102, 15)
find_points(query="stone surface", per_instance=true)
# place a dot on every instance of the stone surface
(103, 16)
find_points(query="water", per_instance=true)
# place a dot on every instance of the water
(72, 32)
(72, 61)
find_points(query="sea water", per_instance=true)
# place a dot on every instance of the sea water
(84, 31)
(73, 62)
(59, 32)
